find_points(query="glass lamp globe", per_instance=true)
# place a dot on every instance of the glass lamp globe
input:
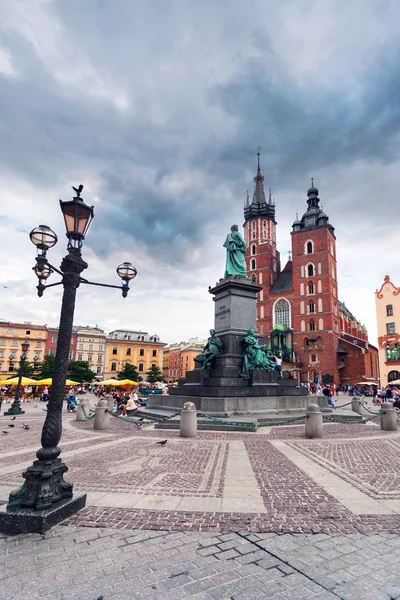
(126, 271)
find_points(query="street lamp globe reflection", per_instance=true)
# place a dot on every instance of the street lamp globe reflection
(126, 271)
(42, 271)
(43, 238)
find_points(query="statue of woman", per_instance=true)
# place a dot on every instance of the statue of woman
(213, 348)
(254, 356)
(235, 249)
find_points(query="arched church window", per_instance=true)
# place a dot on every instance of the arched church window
(311, 307)
(313, 358)
(282, 313)
(310, 270)
(253, 263)
(253, 278)
(306, 342)
(253, 226)
(253, 249)
(312, 325)
(264, 230)
(310, 287)
(309, 247)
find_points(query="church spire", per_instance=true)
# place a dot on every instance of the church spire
(259, 195)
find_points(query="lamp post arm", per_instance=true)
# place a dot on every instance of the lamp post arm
(107, 285)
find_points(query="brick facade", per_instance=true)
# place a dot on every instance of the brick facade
(299, 304)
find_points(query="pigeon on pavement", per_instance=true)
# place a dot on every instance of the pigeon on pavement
(5, 432)
(25, 426)
(162, 443)
(11, 425)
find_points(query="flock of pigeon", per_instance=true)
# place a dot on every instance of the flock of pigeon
(25, 426)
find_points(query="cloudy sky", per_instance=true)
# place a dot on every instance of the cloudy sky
(158, 108)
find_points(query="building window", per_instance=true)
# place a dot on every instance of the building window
(90, 357)
(38, 344)
(54, 340)
(321, 325)
(129, 337)
(113, 366)
(37, 356)
(310, 287)
(390, 328)
(282, 313)
(310, 270)
(154, 353)
(313, 358)
(306, 342)
(80, 347)
(309, 247)
(302, 289)
(115, 350)
(253, 278)
(320, 309)
(253, 264)
(141, 367)
(253, 225)
(52, 352)
(79, 356)
(253, 249)
(90, 347)
(302, 325)
(1, 353)
(264, 230)
(141, 352)
(27, 333)
(311, 307)
(100, 348)
(98, 370)
(15, 342)
(128, 351)
(312, 326)
(99, 359)
(389, 310)
(2, 342)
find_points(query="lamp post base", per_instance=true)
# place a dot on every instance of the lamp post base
(26, 520)
(14, 411)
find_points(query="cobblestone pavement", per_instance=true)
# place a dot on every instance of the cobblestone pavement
(74, 563)
(227, 515)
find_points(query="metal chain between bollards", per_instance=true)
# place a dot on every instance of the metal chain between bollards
(343, 405)
(85, 415)
(140, 422)
(369, 411)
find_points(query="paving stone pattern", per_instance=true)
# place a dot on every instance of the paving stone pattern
(73, 563)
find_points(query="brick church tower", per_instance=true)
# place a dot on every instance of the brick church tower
(315, 306)
(262, 258)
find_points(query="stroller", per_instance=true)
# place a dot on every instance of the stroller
(72, 405)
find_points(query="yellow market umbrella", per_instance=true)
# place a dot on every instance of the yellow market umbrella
(49, 381)
(24, 381)
(128, 382)
(110, 382)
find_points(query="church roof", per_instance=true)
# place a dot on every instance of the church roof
(314, 216)
(259, 206)
(284, 281)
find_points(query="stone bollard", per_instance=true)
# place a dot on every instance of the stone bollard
(82, 402)
(314, 428)
(356, 405)
(110, 401)
(188, 424)
(101, 415)
(388, 417)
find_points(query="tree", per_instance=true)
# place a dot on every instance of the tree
(29, 369)
(129, 372)
(79, 370)
(46, 368)
(154, 374)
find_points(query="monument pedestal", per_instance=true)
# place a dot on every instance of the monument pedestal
(220, 391)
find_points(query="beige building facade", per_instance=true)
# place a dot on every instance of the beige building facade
(135, 347)
(12, 335)
(91, 347)
(387, 301)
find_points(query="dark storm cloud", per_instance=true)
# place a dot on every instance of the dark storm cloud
(53, 128)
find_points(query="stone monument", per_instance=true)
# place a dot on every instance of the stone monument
(234, 374)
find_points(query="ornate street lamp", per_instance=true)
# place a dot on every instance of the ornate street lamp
(15, 408)
(46, 498)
